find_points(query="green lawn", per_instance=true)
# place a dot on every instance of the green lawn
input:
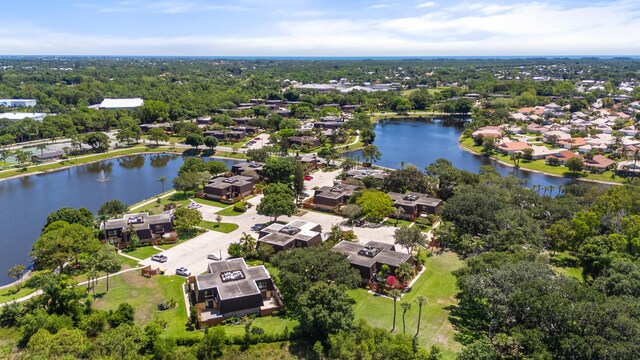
(9, 294)
(574, 272)
(541, 165)
(144, 294)
(270, 325)
(178, 198)
(142, 252)
(210, 202)
(129, 262)
(437, 284)
(401, 223)
(223, 227)
(229, 212)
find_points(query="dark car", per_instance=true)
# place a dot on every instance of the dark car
(258, 227)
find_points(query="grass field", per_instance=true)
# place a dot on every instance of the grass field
(129, 262)
(228, 212)
(144, 294)
(142, 252)
(210, 202)
(178, 198)
(437, 284)
(223, 227)
(401, 223)
(9, 294)
(270, 325)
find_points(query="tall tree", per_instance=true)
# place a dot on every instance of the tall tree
(162, 180)
(410, 238)
(395, 294)
(421, 301)
(278, 200)
(406, 306)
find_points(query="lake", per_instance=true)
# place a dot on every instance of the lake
(420, 142)
(28, 200)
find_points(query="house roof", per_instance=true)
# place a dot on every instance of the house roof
(279, 234)
(564, 155)
(233, 278)
(337, 191)
(138, 221)
(599, 161)
(48, 155)
(225, 182)
(414, 198)
(514, 146)
(121, 103)
(371, 253)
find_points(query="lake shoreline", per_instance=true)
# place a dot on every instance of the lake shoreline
(462, 147)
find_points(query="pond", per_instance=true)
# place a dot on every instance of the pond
(27, 201)
(420, 142)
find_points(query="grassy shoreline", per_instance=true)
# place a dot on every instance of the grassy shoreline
(539, 166)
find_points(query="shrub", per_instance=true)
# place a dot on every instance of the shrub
(239, 207)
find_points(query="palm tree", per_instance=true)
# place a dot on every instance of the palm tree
(162, 180)
(397, 213)
(395, 294)
(41, 147)
(248, 242)
(551, 188)
(405, 307)
(421, 300)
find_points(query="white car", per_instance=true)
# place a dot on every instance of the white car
(159, 258)
(183, 271)
(214, 257)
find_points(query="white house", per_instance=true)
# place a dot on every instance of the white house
(20, 116)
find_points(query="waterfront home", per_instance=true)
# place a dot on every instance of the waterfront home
(230, 288)
(329, 198)
(512, 147)
(628, 168)
(150, 229)
(297, 233)
(563, 156)
(363, 173)
(541, 152)
(598, 164)
(229, 189)
(46, 156)
(491, 131)
(368, 259)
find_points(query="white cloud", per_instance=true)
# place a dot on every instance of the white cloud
(535, 28)
(428, 4)
(379, 6)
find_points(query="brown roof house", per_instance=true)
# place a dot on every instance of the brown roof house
(563, 156)
(512, 147)
(369, 258)
(309, 141)
(298, 233)
(598, 164)
(239, 168)
(230, 288)
(329, 198)
(229, 189)
(149, 228)
(416, 204)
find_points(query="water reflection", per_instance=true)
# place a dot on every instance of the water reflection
(132, 162)
(161, 160)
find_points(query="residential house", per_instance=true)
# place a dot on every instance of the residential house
(309, 141)
(229, 189)
(46, 156)
(628, 168)
(240, 168)
(598, 164)
(329, 198)
(149, 228)
(297, 233)
(491, 131)
(563, 156)
(370, 258)
(512, 147)
(416, 204)
(571, 143)
(230, 288)
(312, 162)
(363, 173)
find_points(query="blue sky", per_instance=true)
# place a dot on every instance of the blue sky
(320, 27)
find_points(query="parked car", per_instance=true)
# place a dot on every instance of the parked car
(159, 258)
(258, 138)
(183, 271)
(214, 257)
(308, 177)
(258, 227)
(194, 205)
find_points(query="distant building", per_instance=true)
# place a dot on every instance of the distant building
(20, 116)
(46, 156)
(329, 198)
(14, 103)
(416, 204)
(368, 259)
(116, 104)
(309, 141)
(232, 289)
(239, 168)
(297, 233)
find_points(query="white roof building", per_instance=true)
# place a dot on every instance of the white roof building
(12, 103)
(20, 116)
(113, 104)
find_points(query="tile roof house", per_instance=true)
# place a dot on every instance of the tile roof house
(230, 288)
(563, 156)
(229, 189)
(297, 233)
(628, 168)
(512, 147)
(571, 143)
(369, 258)
(598, 163)
(149, 228)
(492, 131)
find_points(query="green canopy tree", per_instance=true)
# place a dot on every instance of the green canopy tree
(375, 204)
(324, 309)
(278, 200)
